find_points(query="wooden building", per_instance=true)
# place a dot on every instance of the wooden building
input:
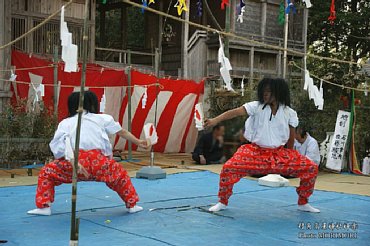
(116, 27)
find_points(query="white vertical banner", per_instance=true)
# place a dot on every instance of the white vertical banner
(338, 144)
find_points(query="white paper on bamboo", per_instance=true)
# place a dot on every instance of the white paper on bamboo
(144, 98)
(240, 16)
(308, 3)
(37, 87)
(150, 133)
(225, 66)
(13, 76)
(199, 117)
(69, 50)
(313, 92)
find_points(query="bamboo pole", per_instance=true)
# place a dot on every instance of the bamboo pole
(55, 80)
(129, 101)
(75, 221)
(285, 54)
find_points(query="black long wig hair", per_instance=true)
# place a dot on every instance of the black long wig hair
(279, 89)
(90, 103)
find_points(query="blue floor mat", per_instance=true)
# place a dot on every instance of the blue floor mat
(256, 215)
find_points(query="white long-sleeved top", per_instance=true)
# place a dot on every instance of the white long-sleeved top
(310, 149)
(267, 130)
(94, 133)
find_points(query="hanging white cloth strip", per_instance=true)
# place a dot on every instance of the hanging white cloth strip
(69, 50)
(225, 66)
(308, 3)
(242, 86)
(144, 98)
(313, 92)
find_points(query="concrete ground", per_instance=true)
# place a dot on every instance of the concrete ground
(180, 163)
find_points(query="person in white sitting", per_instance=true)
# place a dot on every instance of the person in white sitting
(306, 145)
(366, 165)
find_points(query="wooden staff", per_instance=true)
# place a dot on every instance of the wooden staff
(75, 221)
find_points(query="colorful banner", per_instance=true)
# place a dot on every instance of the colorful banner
(335, 159)
(175, 104)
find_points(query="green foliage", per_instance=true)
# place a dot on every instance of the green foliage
(348, 39)
(17, 123)
(25, 136)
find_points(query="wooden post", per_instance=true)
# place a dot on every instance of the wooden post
(102, 27)
(55, 98)
(251, 67)
(263, 19)
(75, 222)
(304, 38)
(285, 56)
(278, 61)
(123, 27)
(92, 32)
(129, 101)
(160, 30)
(5, 55)
(227, 29)
(185, 36)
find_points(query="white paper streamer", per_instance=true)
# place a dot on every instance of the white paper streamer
(242, 86)
(150, 133)
(199, 116)
(69, 50)
(240, 16)
(225, 66)
(313, 92)
(308, 3)
(144, 98)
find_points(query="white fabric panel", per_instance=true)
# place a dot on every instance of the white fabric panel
(114, 97)
(163, 98)
(191, 139)
(179, 124)
(138, 92)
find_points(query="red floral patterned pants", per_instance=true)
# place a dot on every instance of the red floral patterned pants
(250, 159)
(98, 167)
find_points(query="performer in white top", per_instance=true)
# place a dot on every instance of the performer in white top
(270, 126)
(95, 162)
(307, 145)
(366, 165)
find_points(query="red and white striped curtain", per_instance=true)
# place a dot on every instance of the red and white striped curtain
(175, 107)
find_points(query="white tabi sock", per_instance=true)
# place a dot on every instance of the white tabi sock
(308, 208)
(135, 209)
(219, 206)
(40, 211)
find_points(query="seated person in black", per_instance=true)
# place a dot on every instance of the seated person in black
(209, 149)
